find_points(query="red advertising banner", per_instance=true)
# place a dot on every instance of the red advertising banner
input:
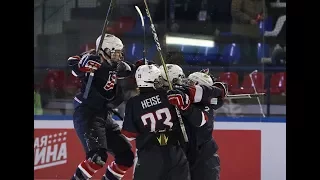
(57, 153)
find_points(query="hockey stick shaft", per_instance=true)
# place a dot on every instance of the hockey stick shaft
(244, 96)
(144, 35)
(155, 37)
(255, 91)
(117, 114)
(103, 33)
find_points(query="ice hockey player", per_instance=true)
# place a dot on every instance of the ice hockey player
(197, 93)
(151, 119)
(201, 150)
(92, 117)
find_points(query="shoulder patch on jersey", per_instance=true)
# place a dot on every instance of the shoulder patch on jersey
(214, 101)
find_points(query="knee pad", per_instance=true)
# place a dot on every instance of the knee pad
(125, 158)
(98, 156)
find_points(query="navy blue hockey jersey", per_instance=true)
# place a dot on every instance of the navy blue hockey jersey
(104, 88)
(148, 113)
(206, 99)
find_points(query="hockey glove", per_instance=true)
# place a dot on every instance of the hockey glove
(141, 62)
(123, 70)
(179, 99)
(89, 62)
(206, 70)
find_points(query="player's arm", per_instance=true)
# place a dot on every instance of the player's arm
(194, 115)
(206, 95)
(125, 79)
(203, 94)
(218, 104)
(129, 127)
(213, 96)
(125, 75)
(220, 98)
(73, 64)
(125, 69)
(84, 63)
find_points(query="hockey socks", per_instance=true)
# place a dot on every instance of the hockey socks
(115, 171)
(85, 170)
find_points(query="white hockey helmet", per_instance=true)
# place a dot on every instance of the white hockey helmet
(147, 76)
(200, 78)
(175, 73)
(111, 48)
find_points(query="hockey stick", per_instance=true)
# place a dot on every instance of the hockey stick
(103, 33)
(238, 96)
(144, 34)
(255, 91)
(156, 40)
(244, 96)
(117, 114)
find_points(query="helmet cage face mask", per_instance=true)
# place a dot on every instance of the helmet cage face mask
(159, 83)
(112, 56)
(111, 48)
(175, 81)
(179, 80)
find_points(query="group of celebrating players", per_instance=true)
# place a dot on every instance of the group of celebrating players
(150, 117)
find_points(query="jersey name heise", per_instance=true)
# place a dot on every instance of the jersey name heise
(155, 100)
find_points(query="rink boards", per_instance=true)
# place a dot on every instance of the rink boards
(250, 148)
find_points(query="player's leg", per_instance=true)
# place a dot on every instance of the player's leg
(206, 165)
(120, 147)
(179, 168)
(91, 132)
(207, 169)
(150, 164)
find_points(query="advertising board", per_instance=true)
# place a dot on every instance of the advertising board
(250, 149)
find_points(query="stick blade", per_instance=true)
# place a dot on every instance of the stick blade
(258, 94)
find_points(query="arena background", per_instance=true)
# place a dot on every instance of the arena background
(251, 146)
